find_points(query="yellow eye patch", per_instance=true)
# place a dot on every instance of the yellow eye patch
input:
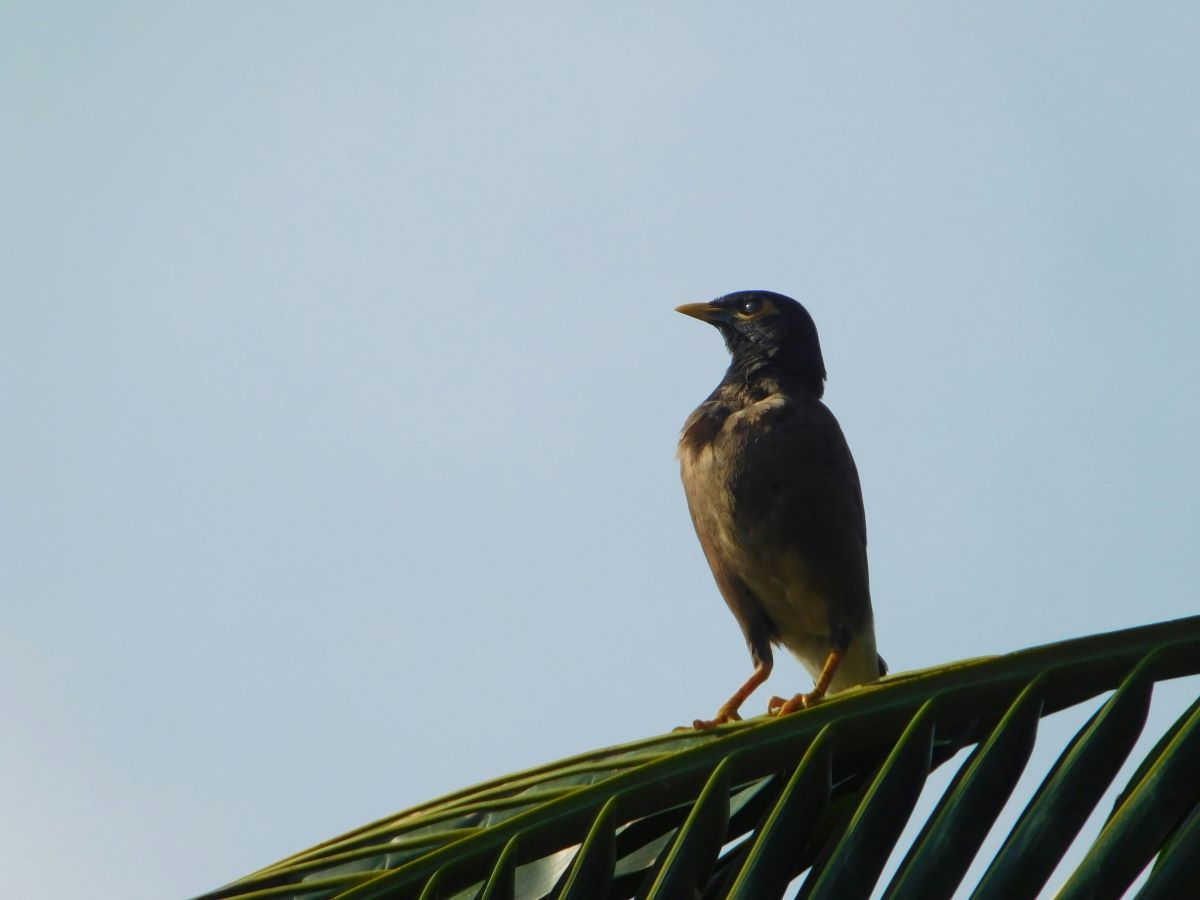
(755, 308)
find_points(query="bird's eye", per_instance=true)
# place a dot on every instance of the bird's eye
(750, 308)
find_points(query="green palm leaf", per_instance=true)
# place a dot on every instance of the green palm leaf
(745, 810)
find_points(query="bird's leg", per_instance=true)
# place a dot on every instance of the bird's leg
(729, 709)
(780, 707)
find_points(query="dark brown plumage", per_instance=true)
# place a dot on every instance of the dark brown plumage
(775, 499)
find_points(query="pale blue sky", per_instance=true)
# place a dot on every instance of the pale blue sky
(342, 379)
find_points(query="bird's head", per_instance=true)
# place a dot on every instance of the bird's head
(765, 330)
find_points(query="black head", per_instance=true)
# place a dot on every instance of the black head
(766, 331)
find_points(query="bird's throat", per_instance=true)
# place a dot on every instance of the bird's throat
(751, 378)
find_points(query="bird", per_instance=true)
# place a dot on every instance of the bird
(775, 499)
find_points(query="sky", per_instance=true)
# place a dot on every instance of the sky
(341, 378)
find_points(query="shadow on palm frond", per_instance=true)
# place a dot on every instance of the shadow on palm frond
(823, 795)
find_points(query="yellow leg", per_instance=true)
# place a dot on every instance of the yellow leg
(729, 709)
(780, 707)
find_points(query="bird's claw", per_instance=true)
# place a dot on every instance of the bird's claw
(777, 706)
(724, 715)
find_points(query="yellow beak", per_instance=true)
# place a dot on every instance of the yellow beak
(702, 311)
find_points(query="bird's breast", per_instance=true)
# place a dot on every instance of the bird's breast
(726, 426)
(707, 476)
(714, 450)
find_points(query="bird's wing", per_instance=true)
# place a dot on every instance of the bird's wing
(800, 509)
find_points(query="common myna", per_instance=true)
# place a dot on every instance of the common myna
(775, 499)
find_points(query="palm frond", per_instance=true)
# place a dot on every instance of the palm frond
(747, 809)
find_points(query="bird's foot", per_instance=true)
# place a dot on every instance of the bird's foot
(724, 714)
(777, 706)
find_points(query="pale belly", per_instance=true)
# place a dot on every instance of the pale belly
(798, 612)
